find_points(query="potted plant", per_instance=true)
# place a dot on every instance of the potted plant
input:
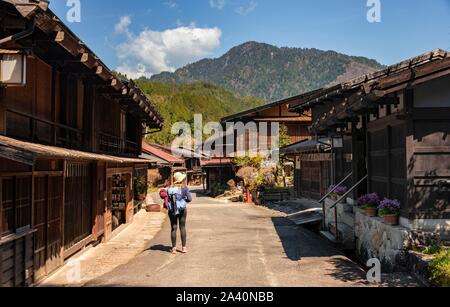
(140, 189)
(390, 210)
(369, 203)
(338, 192)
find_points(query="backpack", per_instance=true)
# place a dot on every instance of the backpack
(178, 202)
(173, 202)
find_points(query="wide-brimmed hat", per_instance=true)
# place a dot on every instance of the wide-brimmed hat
(179, 177)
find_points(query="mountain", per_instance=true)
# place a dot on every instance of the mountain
(272, 73)
(179, 102)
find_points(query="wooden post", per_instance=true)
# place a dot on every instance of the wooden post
(356, 155)
(93, 127)
(408, 111)
(33, 222)
(16, 263)
(94, 196)
(2, 111)
(53, 85)
(1, 248)
(63, 203)
(389, 160)
(1, 210)
(368, 160)
(1, 266)
(47, 220)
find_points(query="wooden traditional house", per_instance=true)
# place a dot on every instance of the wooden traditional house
(396, 123)
(318, 162)
(313, 161)
(218, 171)
(192, 162)
(167, 165)
(267, 120)
(70, 140)
(273, 113)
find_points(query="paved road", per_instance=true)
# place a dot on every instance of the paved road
(234, 245)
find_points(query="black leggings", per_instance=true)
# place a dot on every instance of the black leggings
(174, 221)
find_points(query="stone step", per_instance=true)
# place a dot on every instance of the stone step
(345, 233)
(347, 219)
(308, 216)
(330, 237)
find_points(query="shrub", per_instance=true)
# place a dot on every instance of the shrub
(231, 184)
(440, 269)
(247, 161)
(389, 207)
(140, 186)
(266, 177)
(249, 175)
(432, 250)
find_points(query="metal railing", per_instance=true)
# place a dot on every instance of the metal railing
(322, 200)
(338, 201)
(335, 187)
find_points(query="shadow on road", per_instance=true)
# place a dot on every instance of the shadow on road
(160, 248)
(347, 271)
(299, 243)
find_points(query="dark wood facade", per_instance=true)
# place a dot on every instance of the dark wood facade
(396, 125)
(218, 171)
(191, 163)
(167, 165)
(270, 114)
(63, 135)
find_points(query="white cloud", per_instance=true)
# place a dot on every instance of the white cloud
(217, 4)
(123, 24)
(245, 10)
(151, 52)
(171, 4)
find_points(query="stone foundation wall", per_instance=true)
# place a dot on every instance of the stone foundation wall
(374, 239)
(346, 222)
(427, 232)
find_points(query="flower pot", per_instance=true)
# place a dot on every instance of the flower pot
(371, 212)
(391, 219)
(153, 208)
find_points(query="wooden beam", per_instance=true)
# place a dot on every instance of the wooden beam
(116, 84)
(60, 36)
(66, 41)
(2, 111)
(102, 72)
(17, 155)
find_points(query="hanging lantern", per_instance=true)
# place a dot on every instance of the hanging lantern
(13, 68)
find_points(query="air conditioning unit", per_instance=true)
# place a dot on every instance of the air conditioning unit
(13, 68)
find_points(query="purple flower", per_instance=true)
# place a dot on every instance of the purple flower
(338, 190)
(371, 199)
(390, 204)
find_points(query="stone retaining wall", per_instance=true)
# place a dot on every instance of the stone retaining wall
(374, 239)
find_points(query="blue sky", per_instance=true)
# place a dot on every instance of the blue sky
(143, 37)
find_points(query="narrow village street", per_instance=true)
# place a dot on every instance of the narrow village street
(234, 245)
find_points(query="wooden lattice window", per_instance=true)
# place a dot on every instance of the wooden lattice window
(15, 204)
(7, 206)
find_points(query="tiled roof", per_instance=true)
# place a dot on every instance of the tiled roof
(150, 149)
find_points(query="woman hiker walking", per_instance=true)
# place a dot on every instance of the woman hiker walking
(176, 199)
